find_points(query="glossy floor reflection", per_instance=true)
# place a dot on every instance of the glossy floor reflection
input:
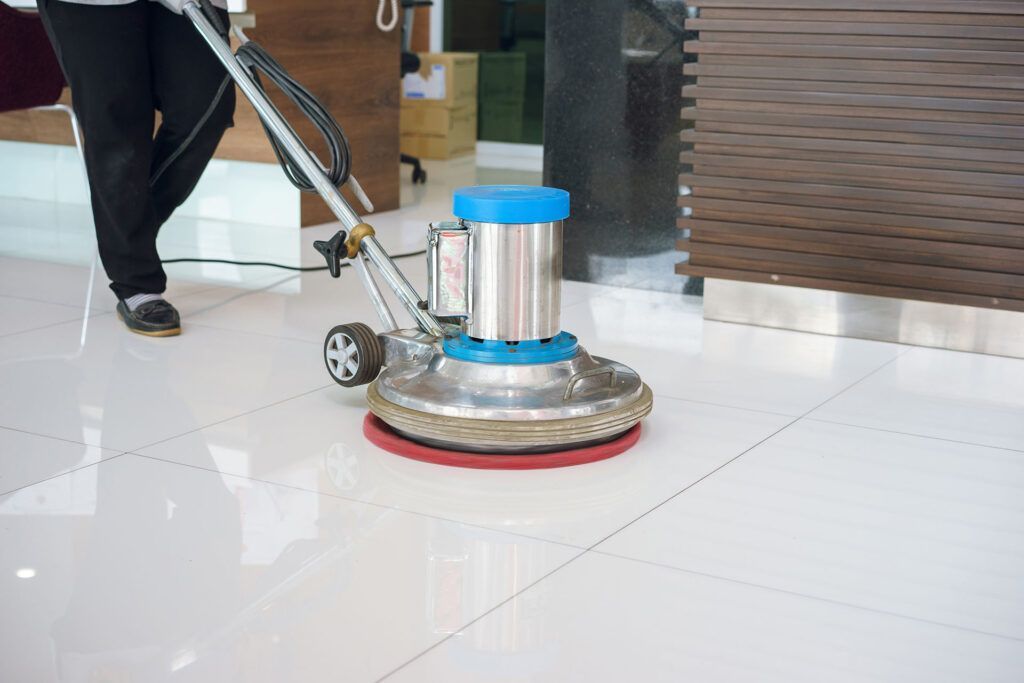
(204, 508)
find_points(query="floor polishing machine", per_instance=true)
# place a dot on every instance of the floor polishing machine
(487, 378)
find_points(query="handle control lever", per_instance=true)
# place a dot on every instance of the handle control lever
(332, 250)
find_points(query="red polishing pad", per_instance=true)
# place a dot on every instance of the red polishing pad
(381, 435)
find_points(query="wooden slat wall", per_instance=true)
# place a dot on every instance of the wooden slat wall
(868, 146)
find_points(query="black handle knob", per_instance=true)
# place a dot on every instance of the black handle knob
(332, 251)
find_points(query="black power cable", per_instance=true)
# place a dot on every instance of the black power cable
(300, 269)
(257, 60)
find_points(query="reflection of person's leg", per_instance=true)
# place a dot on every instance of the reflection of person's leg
(197, 100)
(158, 562)
(104, 53)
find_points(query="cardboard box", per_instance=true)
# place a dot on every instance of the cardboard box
(424, 147)
(445, 80)
(502, 76)
(429, 120)
(433, 133)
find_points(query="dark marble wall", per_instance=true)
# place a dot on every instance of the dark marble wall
(611, 137)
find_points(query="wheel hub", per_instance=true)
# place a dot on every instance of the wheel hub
(342, 356)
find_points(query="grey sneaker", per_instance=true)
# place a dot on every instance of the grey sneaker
(153, 318)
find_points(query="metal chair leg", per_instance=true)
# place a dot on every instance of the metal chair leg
(77, 132)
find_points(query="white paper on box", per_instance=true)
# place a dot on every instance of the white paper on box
(415, 87)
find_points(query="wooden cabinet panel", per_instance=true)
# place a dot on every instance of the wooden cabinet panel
(335, 49)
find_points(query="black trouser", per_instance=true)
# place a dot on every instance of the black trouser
(123, 62)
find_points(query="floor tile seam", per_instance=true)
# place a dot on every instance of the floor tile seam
(93, 316)
(37, 300)
(816, 598)
(870, 428)
(697, 401)
(781, 429)
(694, 483)
(842, 391)
(200, 428)
(266, 335)
(63, 474)
(359, 501)
(486, 613)
(29, 432)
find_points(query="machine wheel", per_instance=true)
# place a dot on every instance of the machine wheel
(353, 354)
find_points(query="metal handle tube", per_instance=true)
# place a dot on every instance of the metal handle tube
(401, 287)
(314, 171)
(272, 117)
(370, 285)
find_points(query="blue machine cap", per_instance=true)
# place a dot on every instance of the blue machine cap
(511, 204)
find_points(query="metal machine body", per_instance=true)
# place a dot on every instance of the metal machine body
(508, 379)
(498, 375)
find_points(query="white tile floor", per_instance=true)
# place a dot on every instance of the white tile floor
(204, 508)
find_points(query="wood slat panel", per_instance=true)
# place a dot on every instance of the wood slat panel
(878, 247)
(749, 112)
(959, 280)
(782, 153)
(850, 146)
(963, 6)
(871, 147)
(871, 105)
(916, 116)
(861, 29)
(813, 73)
(934, 42)
(765, 130)
(860, 175)
(824, 199)
(866, 64)
(937, 92)
(892, 17)
(940, 228)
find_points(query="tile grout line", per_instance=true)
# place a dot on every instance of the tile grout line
(807, 596)
(35, 300)
(338, 496)
(190, 323)
(770, 436)
(64, 474)
(92, 317)
(592, 547)
(726, 405)
(228, 419)
(478, 618)
(121, 451)
(58, 438)
(913, 434)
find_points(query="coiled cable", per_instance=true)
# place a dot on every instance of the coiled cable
(258, 60)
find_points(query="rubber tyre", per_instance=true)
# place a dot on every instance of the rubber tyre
(369, 354)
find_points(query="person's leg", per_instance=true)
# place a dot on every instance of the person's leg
(104, 53)
(197, 100)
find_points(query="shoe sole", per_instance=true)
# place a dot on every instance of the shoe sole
(173, 332)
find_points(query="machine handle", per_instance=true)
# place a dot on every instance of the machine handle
(584, 374)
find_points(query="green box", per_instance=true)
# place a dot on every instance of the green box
(501, 121)
(502, 76)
